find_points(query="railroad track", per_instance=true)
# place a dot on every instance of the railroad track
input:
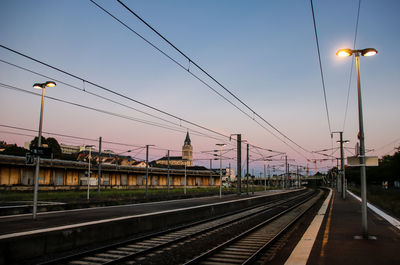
(249, 246)
(144, 249)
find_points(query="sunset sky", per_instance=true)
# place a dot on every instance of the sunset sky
(263, 52)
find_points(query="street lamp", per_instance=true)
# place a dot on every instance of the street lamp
(184, 187)
(220, 168)
(147, 169)
(88, 175)
(41, 86)
(357, 53)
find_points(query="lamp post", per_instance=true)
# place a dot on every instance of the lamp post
(41, 86)
(184, 188)
(147, 169)
(357, 53)
(220, 168)
(88, 175)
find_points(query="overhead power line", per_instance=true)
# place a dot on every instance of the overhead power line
(203, 71)
(113, 101)
(108, 112)
(320, 67)
(115, 93)
(352, 65)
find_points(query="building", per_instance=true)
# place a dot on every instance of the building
(185, 159)
(70, 149)
(187, 151)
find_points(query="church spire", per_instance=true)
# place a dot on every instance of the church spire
(187, 139)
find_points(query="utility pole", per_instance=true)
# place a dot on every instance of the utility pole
(343, 177)
(168, 180)
(265, 179)
(88, 175)
(252, 182)
(230, 172)
(247, 170)
(342, 167)
(147, 170)
(286, 173)
(338, 182)
(210, 171)
(239, 164)
(99, 174)
(184, 188)
(220, 168)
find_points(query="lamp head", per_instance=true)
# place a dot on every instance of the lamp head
(38, 86)
(344, 52)
(369, 52)
(50, 84)
(44, 85)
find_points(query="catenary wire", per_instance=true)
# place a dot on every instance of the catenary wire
(320, 67)
(115, 93)
(86, 91)
(107, 99)
(107, 112)
(91, 93)
(206, 73)
(352, 64)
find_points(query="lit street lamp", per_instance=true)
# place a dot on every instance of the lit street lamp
(41, 86)
(357, 53)
(220, 168)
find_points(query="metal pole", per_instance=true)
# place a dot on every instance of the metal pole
(265, 179)
(252, 180)
(362, 155)
(230, 172)
(168, 180)
(147, 171)
(239, 164)
(184, 189)
(88, 176)
(210, 171)
(36, 188)
(286, 172)
(220, 171)
(342, 166)
(247, 171)
(99, 174)
(337, 177)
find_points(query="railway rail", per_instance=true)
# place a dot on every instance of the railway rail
(154, 248)
(249, 246)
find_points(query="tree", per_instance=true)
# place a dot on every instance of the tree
(34, 142)
(54, 146)
(388, 170)
(51, 143)
(14, 150)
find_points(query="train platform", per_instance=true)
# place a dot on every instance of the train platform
(334, 236)
(22, 224)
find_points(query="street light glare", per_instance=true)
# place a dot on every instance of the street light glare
(44, 85)
(37, 86)
(50, 84)
(344, 52)
(369, 52)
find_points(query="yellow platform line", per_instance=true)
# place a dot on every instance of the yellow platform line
(303, 249)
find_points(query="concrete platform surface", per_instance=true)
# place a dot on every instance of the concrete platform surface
(338, 240)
